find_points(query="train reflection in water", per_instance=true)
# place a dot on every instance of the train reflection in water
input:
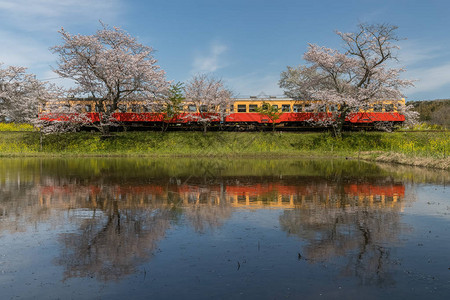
(258, 195)
(271, 228)
(118, 227)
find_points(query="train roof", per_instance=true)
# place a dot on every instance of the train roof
(263, 99)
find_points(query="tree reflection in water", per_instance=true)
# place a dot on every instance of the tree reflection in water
(114, 239)
(203, 207)
(120, 218)
(352, 222)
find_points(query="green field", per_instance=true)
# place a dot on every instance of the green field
(402, 147)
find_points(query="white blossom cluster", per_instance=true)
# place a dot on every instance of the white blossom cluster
(210, 97)
(356, 77)
(112, 68)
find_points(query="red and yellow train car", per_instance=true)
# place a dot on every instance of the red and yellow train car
(240, 112)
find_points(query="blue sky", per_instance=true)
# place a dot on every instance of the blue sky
(247, 43)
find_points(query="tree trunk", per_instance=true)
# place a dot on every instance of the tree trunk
(40, 141)
(339, 124)
(104, 124)
(337, 130)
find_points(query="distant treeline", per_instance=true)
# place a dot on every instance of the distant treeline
(433, 111)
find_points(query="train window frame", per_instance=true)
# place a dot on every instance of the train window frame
(322, 108)
(88, 108)
(78, 108)
(122, 108)
(285, 107)
(147, 108)
(308, 108)
(66, 107)
(203, 108)
(191, 108)
(252, 107)
(231, 108)
(378, 107)
(109, 108)
(135, 108)
(297, 108)
(241, 108)
(333, 108)
(389, 107)
(97, 108)
(355, 108)
(275, 107)
(158, 108)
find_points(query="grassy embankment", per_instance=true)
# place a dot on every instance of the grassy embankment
(412, 148)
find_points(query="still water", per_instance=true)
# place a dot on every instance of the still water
(116, 228)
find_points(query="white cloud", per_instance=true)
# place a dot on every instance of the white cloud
(29, 27)
(38, 15)
(23, 51)
(426, 63)
(416, 52)
(210, 62)
(429, 79)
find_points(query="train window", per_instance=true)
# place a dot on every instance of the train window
(377, 107)
(275, 107)
(203, 108)
(308, 108)
(242, 108)
(147, 108)
(297, 108)
(122, 108)
(135, 108)
(389, 107)
(332, 108)
(88, 108)
(322, 108)
(109, 108)
(231, 108)
(355, 109)
(78, 108)
(192, 108)
(285, 108)
(158, 108)
(252, 107)
(365, 107)
(97, 108)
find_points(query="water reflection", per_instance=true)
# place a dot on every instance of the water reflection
(121, 209)
(355, 222)
(111, 242)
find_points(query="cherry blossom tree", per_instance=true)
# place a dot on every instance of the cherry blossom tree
(58, 116)
(112, 68)
(360, 75)
(21, 95)
(210, 97)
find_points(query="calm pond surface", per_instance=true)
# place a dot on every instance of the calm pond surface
(118, 228)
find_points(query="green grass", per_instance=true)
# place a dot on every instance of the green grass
(424, 144)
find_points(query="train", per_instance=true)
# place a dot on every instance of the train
(240, 113)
